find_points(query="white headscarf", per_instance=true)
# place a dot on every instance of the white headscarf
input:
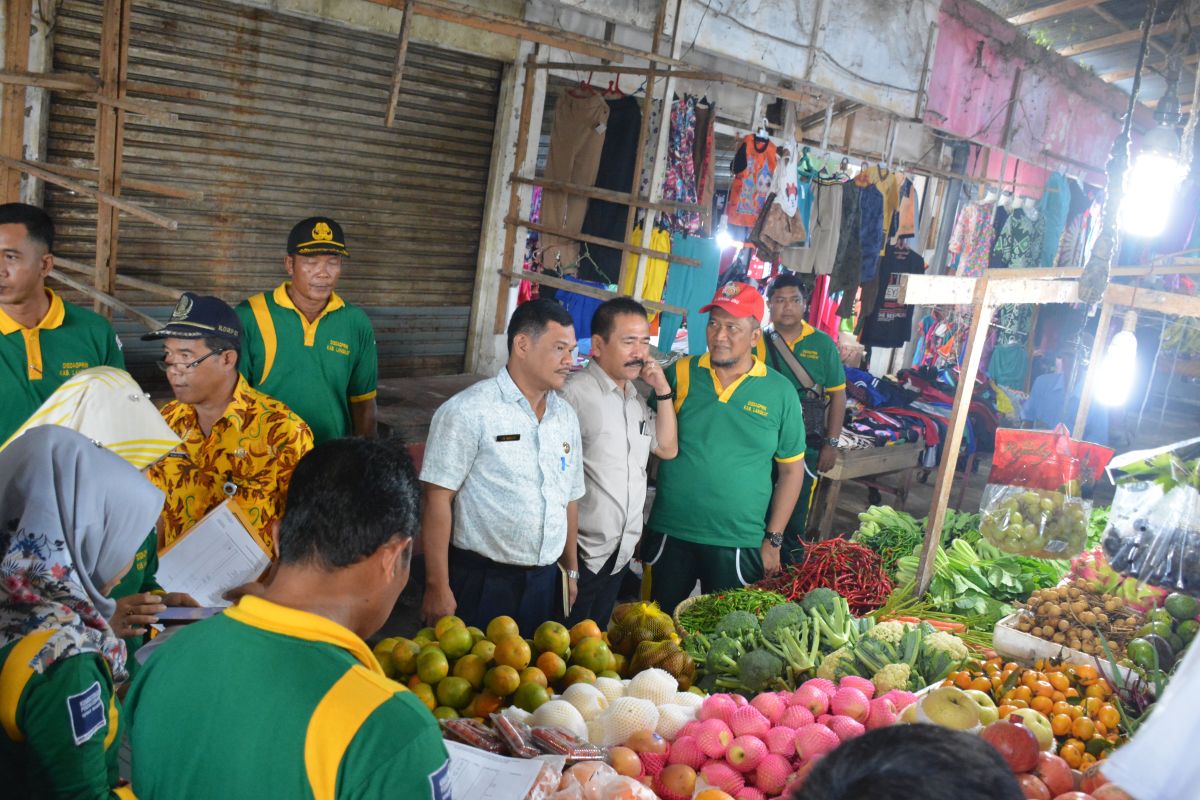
(72, 515)
(106, 405)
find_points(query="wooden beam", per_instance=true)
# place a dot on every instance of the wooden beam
(584, 289)
(110, 139)
(1126, 74)
(604, 194)
(775, 90)
(128, 183)
(1051, 11)
(149, 287)
(145, 108)
(104, 198)
(56, 81)
(407, 15)
(107, 300)
(976, 338)
(613, 243)
(1124, 37)
(18, 23)
(514, 195)
(1099, 345)
(1177, 305)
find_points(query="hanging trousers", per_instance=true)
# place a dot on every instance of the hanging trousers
(576, 140)
(604, 219)
(823, 233)
(689, 287)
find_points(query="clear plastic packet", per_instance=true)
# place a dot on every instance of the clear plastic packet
(1153, 531)
(556, 741)
(1035, 501)
(474, 734)
(516, 735)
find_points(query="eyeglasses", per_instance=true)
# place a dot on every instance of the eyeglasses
(166, 365)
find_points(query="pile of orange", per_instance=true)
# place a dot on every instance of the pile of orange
(1075, 698)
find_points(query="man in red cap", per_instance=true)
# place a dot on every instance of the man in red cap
(717, 518)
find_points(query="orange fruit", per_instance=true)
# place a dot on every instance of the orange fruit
(512, 651)
(1061, 707)
(500, 627)
(534, 675)
(471, 667)
(1087, 760)
(1058, 696)
(578, 674)
(1018, 703)
(1101, 728)
(1086, 672)
(962, 680)
(502, 680)
(1072, 754)
(552, 637)
(1061, 724)
(486, 703)
(1059, 681)
(1072, 692)
(1099, 689)
(982, 684)
(1042, 704)
(1023, 693)
(1076, 712)
(588, 629)
(1042, 689)
(1092, 706)
(446, 623)
(1005, 710)
(552, 665)
(1109, 716)
(1083, 728)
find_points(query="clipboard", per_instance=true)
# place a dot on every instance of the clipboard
(220, 552)
(565, 583)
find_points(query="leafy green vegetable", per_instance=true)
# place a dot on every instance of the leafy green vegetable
(708, 610)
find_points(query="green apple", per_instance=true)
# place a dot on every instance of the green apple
(949, 707)
(988, 713)
(1036, 721)
(909, 715)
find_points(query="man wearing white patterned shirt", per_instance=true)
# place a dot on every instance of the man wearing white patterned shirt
(502, 470)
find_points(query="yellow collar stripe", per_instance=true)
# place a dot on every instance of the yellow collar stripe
(266, 327)
(282, 299)
(336, 721)
(757, 370)
(55, 316)
(265, 615)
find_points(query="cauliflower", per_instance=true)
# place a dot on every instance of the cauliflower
(893, 676)
(830, 665)
(890, 632)
(941, 640)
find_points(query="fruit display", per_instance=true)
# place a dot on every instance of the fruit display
(1034, 522)
(642, 636)
(1079, 615)
(1165, 634)
(459, 671)
(1071, 708)
(1092, 566)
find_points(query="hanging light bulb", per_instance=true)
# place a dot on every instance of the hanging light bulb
(1153, 182)
(724, 240)
(1119, 365)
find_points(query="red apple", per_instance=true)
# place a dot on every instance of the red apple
(1032, 788)
(1110, 791)
(1055, 773)
(1016, 743)
(1075, 796)
(1093, 779)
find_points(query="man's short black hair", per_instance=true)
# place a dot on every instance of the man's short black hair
(347, 498)
(785, 279)
(36, 221)
(222, 344)
(905, 761)
(607, 312)
(532, 318)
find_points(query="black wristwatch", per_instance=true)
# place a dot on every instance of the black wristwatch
(668, 396)
(832, 442)
(773, 538)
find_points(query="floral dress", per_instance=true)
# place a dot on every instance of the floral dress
(679, 183)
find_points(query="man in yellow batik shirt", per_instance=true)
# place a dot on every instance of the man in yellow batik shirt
(236, 442)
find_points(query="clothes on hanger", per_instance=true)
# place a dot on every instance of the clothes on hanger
(679, 179)
(847, 259)
(889, 322)
(1053, 209)
(824, 233)
(689, 288)
(603, 218)
(888, 183)
(871, 216)
(576, 139)
(907, 213)
(972, 239)
(999, 220)
(656, 268)
(704, 162)
(753, 168)
(1019, 244)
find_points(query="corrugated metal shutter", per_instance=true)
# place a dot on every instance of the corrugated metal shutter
(281, 117)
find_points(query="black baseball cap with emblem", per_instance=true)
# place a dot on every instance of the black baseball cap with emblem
(197, 316)
(317, 236)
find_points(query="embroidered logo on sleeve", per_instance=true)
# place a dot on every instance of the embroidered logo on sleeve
(439, 783)
(86, 711)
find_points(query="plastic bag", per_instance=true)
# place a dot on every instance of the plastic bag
(1154, 525)
(1034, 502)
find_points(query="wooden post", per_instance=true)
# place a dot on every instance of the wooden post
(401, 55)
(1099, 346)
(110, 136)
(958, 420)
(18, 21)
(514, 196)
(639, 155)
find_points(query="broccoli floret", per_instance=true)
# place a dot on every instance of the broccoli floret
(737, 622)
(941, 640)
(840, 659)
(893, 676)
(724, 651)
(785, 615)
(820, 597)
(757, 670)
(891, 632)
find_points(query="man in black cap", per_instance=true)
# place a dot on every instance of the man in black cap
(236, 442)
(306, 345)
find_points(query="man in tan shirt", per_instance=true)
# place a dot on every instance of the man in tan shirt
(619, 432)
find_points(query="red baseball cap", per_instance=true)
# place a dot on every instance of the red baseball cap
(738, 299)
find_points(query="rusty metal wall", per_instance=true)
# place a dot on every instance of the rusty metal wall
(281, 117)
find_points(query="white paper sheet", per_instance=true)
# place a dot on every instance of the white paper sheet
(478, 775)
(217, 554)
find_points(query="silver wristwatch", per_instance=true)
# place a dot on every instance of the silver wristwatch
(773, 538)
(832, 442)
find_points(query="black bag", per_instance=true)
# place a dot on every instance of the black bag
(813, 403)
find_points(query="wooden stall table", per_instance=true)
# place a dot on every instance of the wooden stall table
(865, 466)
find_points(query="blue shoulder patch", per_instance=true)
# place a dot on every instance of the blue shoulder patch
(439, 782)
(86, 711)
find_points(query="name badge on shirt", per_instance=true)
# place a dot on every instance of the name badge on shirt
(509, 437)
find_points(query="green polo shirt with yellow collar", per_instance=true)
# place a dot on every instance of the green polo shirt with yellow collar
(316, 368)
(816, 351)
(36, 361)
(269, 701)
(717, 491)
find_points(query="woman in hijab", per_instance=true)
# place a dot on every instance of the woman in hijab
(71, 517)
(106, 405)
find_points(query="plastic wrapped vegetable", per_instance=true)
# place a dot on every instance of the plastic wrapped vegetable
(1154, 525)
(1034, 502)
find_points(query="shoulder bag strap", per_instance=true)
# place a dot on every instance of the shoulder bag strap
(793, 363)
